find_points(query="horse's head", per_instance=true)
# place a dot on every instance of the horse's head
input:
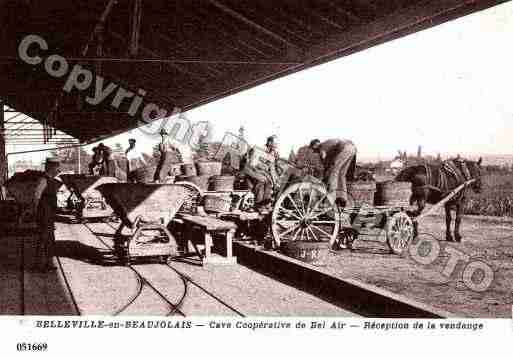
(475, 168)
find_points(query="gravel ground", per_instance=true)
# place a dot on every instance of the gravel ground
(484, 239)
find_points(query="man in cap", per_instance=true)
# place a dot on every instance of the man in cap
(101, 161)
(45, 207)
(262, 171)
(169, 150)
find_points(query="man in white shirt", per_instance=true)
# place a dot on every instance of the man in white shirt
(135, 160)
(261, 170)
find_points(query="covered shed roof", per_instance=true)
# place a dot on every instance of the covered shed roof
(186, 53)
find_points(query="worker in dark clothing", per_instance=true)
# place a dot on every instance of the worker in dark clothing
(340, 167)
(107, 166)
(45, 207)
(101, 162)
(168, 157)
(96, 162)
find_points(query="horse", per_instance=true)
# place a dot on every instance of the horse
(431, 183)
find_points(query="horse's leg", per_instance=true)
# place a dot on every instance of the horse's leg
(457, 235)
(448, 222)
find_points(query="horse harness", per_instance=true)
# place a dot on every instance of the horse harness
(455, 168)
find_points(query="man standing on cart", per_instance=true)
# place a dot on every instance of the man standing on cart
(172, 151)
(262, 172)
(340, 167)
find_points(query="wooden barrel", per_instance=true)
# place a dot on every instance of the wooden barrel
(361, 193)
(308, 252)
(211, 168)
(393, 194)
(222, 183)
(217, 203)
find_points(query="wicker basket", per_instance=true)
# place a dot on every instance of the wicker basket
(222, 183)
(189, 170)
(200, 181)
(393, 194)
(145, 174)
(361, 193)
(210, 168)
(217, 203)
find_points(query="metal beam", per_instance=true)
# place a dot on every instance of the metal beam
(135, 27)
(250, 22)
(3, 158)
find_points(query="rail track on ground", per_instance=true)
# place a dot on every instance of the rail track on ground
(142, 280)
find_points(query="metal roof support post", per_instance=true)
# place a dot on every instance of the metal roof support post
(79, 149)
(135, 28)
(3, 157)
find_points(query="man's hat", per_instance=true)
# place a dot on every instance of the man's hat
(132, 140)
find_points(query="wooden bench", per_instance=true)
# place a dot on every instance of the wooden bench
(207, 226)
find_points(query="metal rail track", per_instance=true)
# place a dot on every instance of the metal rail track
(142, 280)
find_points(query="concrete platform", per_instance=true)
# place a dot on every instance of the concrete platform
(23, 292)
(90, 281)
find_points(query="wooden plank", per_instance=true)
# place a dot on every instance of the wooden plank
(209, 223)
(450, 196)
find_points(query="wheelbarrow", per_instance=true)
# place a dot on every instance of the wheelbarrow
(145, 211)
(84, 199)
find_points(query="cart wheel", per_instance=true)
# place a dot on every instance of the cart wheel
(191, 186)
(305, 212)
(399, 232)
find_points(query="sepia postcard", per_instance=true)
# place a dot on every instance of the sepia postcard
(193, 177)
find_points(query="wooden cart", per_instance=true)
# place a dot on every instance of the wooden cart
(146, 211)
(85, 200)
(305, 211)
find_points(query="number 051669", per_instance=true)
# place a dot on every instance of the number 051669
(31, 347)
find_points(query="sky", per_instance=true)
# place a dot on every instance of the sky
(448, 88)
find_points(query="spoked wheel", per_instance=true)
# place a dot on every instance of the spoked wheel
(399, 231)
(305, 212)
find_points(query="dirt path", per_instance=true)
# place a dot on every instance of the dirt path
(485, 240)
